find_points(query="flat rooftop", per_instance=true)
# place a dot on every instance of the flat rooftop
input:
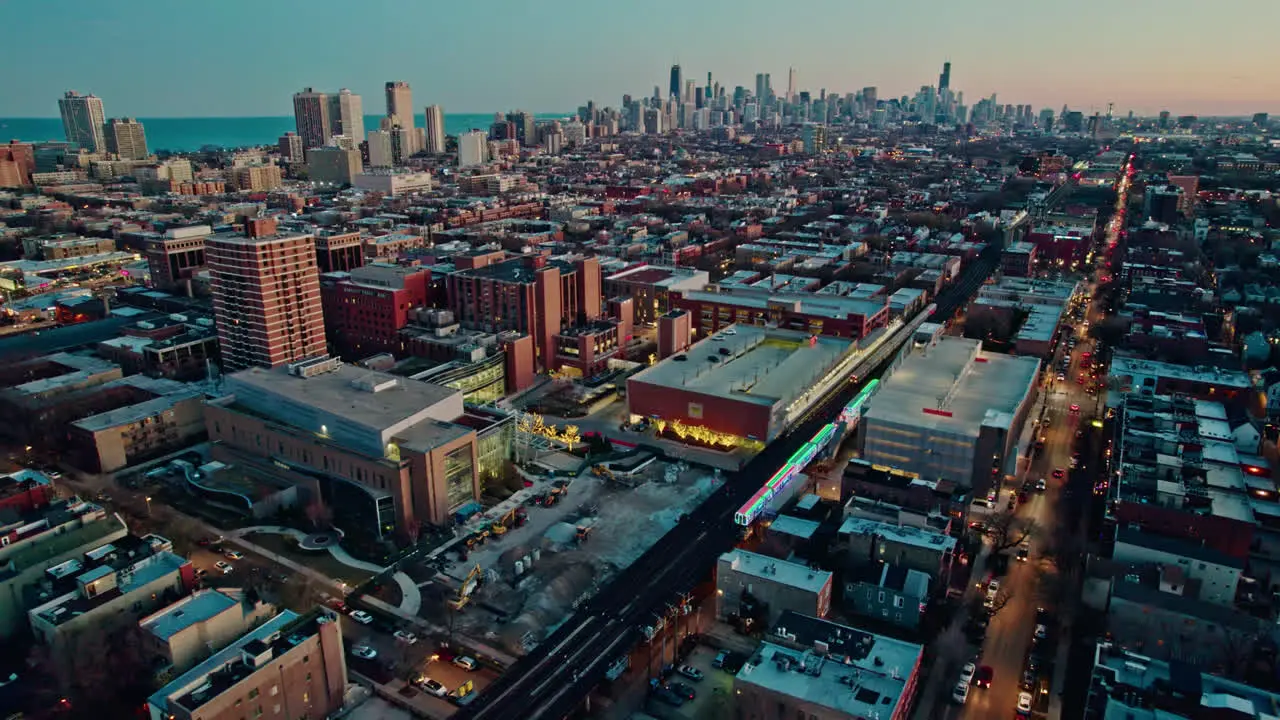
(1173, 689)
(191, 610)
(241, 239)
(1131, 367)
(354, 406)
(662, 276)
(764, 567)
(837, 307)
(749, 364)
(964, 386)
(860, 674)
(901, 534)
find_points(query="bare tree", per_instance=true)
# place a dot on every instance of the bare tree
(1006, 531)
(1001, 600)
(319, 514)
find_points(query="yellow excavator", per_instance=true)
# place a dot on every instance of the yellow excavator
(466, 589)
(602, 472)
(514, 518)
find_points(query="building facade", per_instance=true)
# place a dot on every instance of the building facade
(266, 296)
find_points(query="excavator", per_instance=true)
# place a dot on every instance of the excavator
(602, 472)
(466, 589)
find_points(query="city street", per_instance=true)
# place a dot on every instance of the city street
(1031, 584)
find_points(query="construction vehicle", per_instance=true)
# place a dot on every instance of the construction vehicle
(515, 517)
(602, 472)
(469, 584)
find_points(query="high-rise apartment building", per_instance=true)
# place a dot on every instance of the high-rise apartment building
(334, 165)
(82, 120)
(526, 131)
(126, 138)
(291, 150)
(346, 114)
(400, 103)
(311, 114)
(473, 148)
(266, 296)
(380, 155)
(434, 115)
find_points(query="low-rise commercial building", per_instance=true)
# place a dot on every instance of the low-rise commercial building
(393, 182)
(742, 382)
(155, 416)
(831, 315)
(816, 669)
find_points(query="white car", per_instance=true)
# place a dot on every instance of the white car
(224, 567)
(429, 686)
(1024, 703)
(406, 637)
(364, 651)
(1041, 632)
(465, 663)
(361, 617)
(234, 555)
(966, 674)
(690, 672)
(960, 694)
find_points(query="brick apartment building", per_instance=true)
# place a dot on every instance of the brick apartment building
(266, 296)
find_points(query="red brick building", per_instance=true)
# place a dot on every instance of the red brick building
(338, 251)
(17, 162)
(365, 309)
(266, 296)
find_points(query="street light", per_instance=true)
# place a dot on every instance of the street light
(148, 498)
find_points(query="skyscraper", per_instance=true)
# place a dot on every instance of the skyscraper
(82, 120)
(524, 125)
(400, 103)
(266, 296)
(126, 138)
(944, 80)
(346, 115)
(677, 81)
(434, 115)
(791, 85)
(311, 115)
(760, 88)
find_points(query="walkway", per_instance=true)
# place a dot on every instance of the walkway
(410, 595)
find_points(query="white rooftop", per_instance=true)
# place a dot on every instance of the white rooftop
(779, 571)
(964, 385)
(751, 364)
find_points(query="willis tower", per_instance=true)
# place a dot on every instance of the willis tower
(677, 81)
(944, 80)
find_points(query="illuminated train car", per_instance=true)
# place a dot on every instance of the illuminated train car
(807, 453)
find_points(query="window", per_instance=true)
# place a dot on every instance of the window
(897, 602)
(253, 693)
(881, 598)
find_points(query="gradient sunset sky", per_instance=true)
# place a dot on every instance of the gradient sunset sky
(168, 58)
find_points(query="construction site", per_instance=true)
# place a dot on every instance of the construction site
(524, 568)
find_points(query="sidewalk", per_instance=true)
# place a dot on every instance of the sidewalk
(944, 667)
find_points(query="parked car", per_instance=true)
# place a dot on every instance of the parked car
(966, 673)
(984, 676)
(466, 663)
(683, 690)
(429, 686)
(1028, 680)
(668, 696)
(690, 672)
(364, 652)
(1024, 703)
(1041, 631)
(361, 617)
(234, 555)
(406, 637)
(224, 567)
(960, 694)
(721, 657)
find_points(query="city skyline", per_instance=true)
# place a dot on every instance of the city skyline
(1143, 70)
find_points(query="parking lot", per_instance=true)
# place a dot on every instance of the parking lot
(712, 694)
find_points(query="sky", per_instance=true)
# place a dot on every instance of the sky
(234, 58)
